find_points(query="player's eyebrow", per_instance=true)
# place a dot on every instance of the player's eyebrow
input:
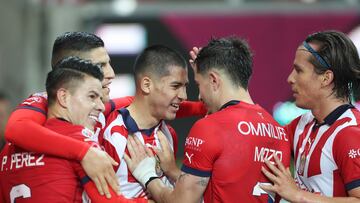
(95, 92)
(177, 83)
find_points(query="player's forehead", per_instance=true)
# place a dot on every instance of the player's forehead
(89, 84)
(97, 55)
(176, 74)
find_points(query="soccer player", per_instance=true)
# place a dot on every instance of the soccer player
(31, 115)
(325, 141)
(224, 151)
(161, 77)
(74, 103)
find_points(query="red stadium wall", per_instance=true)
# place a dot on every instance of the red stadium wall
(273, 38)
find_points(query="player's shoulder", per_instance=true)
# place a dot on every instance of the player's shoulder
(112, 116)
(208, 124)
(36, 98)
(349, 132)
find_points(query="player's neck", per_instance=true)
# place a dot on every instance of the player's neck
(140, 112)
(324, 107)
(239, 94)
(54, 112)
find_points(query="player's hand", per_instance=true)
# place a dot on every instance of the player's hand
(193, 54)
(98, 165)
(166, 158)
(141, 162)
(283, 183)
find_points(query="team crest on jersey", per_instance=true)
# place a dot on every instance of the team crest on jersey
(354, 153)
(87, 133)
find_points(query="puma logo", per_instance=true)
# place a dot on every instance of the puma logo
(189, 157)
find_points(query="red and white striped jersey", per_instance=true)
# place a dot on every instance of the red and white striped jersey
(327, 155)
(119, 125)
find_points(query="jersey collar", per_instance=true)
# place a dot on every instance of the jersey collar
(334, 115)
(229, 103)
(131, 125)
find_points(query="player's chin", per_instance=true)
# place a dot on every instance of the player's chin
(106, 98)
(301, 104)
(170, 115)
(90, 124)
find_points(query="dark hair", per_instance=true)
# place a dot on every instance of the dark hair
(341, 54)
(230, 54)
(67, 73)
(157, 60)
(72, 44)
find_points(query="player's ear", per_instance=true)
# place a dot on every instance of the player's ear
(214, 79)
(327, 78)
(62, 97)
(145, 84)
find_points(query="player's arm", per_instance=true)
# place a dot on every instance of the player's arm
(117, 103)
(191, 108)
(25, 130)
(95, 197)
(187, 108)
(189, 188)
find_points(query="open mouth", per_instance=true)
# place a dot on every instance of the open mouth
(94, 117)
(176, 106)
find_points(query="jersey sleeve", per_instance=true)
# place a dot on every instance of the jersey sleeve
(346, 152)
(202, 148)
(191, 108)
(117, 104)
(36, 102)
(24, 128)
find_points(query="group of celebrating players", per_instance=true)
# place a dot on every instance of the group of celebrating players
(75, 144)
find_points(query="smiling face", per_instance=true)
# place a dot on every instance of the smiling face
(305, 82)
(100, 56)
(167, 93)
(84, 102)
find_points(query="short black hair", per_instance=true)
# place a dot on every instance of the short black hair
(67, 72)
(230, 54)
(157, 60)
(340, 53)
(73, 44)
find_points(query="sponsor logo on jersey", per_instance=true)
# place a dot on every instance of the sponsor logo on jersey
(262, 130)
(194, 143)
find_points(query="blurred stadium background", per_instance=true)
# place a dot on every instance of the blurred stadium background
(273, 28)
